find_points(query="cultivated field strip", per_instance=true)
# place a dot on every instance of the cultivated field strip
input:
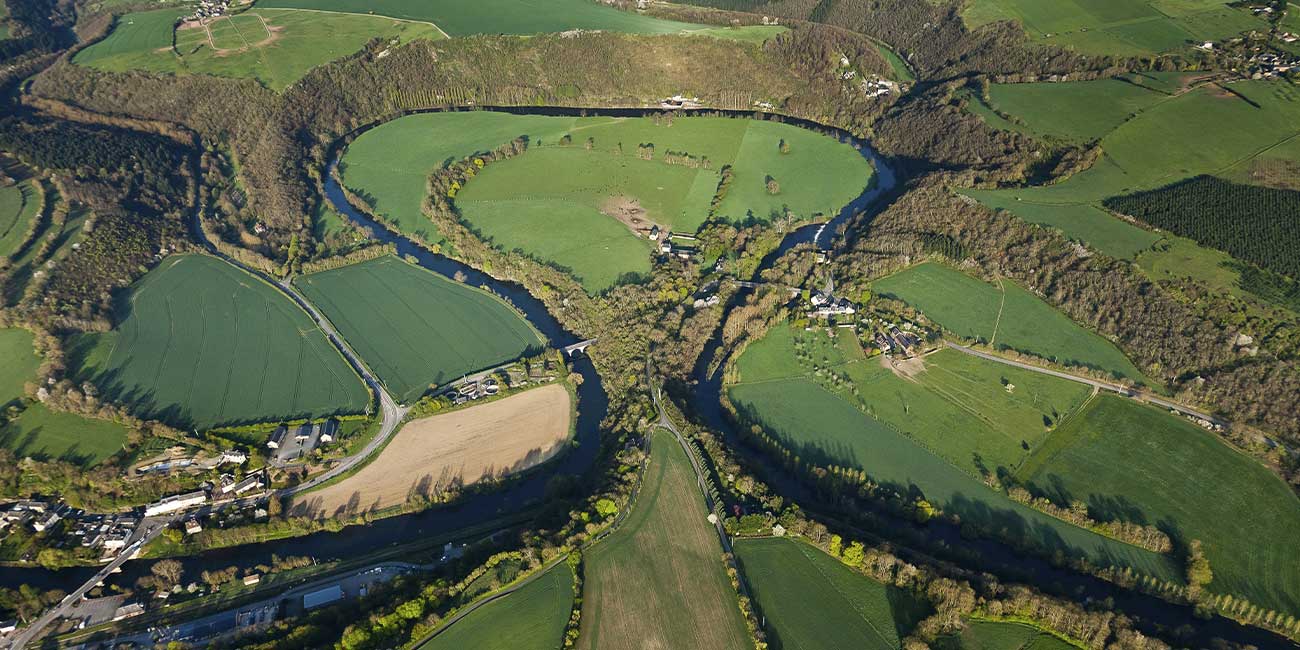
(204, 344)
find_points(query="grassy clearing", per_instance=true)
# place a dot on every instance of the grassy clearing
(998, 635)
(1117, 27)
(275, 46)
(468, 17)
(25, 265)
(757, 34)
(199, 343)
(417, 329)
(39, 432)
(1008, 316)
(532, 618)
(19, 205)
(1089, 224)
(1054, 110)
(813, 601)
(1139, 463)
(659, 581)
(819, 426)
(562, 203)
(981, 416)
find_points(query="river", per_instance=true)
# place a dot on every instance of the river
(934, 539)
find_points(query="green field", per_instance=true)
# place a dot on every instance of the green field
(25, 265)
(19, 205)
(1087, 223)
(813, 601)
(468, 17)
(532, 618)
(998, 635)
(296, 42)
(827, 426)
(1139, 463)
(1117, 27)
(981, 416)
(39, 432)
(659, 581)
(1078, 111)
(1008, 316)
(199, 343)
(556, 202)
(414, 328)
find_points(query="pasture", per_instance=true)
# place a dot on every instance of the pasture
(531, 618)
(1117, 27)
(414, 328)
(431, 455)
(26, 263)
(1134, 462)
(812, 601)
(999, 635)
(1004, 316)
(822, 426)
(579, 205)
(979, 415)
(659, 580)
(199, 343)
(39, 432)
(1086, 223)
(469, 17)
(1058, 110)
(274, 46)
(20, 204)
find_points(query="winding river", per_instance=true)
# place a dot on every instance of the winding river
(934, 539)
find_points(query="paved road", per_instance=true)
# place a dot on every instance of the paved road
(1096, 383)
(144, 533)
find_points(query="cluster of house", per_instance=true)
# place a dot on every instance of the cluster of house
(291, 443)
(891, 339)
(108, 532)
(677, 102)
(872, 85)
(1267, 65)
(667, 245)
(473, 389)
(209, 9)
(825, 304)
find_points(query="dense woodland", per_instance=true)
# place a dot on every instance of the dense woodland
(1260, 225)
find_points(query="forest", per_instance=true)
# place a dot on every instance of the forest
(1257, 224)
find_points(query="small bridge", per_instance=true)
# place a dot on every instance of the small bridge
(579, 347)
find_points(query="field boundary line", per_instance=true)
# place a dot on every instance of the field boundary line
(355, 13)
(866, 616)
(997, 322)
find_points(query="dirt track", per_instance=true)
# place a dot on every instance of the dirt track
(458, 448)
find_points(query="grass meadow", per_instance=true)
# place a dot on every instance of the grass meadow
(1001, 635)
(275, 46)
(824, 425)
(26, 263)
(1117, 27)
(469, 17)
(659, 580)
(556, 201)
(812, 601)
(199, 343)
(1139, 463)
(1004, 316)
(39, 432)
(532, 618)
(415, 328)
(20, 204)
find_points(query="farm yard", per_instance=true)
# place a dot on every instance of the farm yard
(37, 431)
(1004, 316)
(823, 424)
(531, 618)
(588, 190)
(1135, 462)
(469, 17)
(1244, 131)
(812, 601)
(1118, 27)
(199, 343)
(416, 329)
(430, 455)
(659, 580)
(20, 205)
(275, 46)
